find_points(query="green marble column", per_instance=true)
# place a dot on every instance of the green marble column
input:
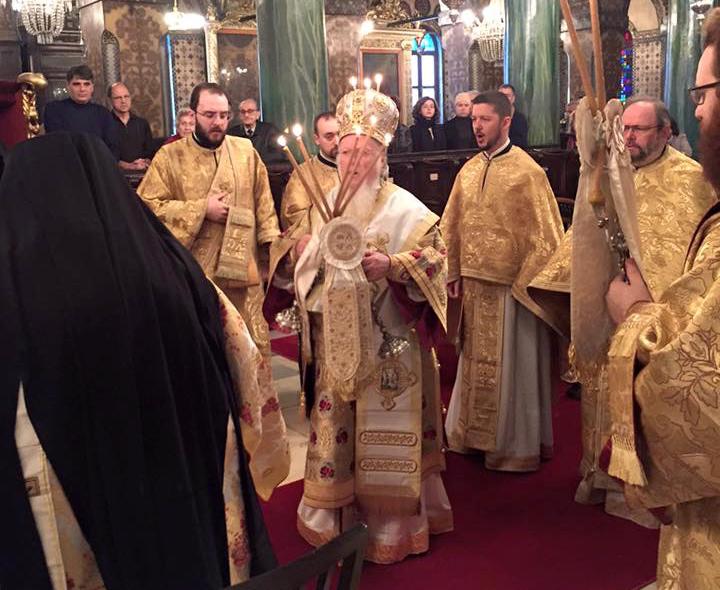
(684, 47)
(293, 62)
(532, 64)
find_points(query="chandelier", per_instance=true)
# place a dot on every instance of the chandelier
(489, 34)
(183, 21)
(44, 19)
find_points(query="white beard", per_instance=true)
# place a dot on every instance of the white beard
(363, 201)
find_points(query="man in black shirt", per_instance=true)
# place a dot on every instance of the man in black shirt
(519, 122)
(77, 112)
(262, 135)
(136, 141)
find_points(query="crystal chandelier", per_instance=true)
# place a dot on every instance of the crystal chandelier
(44, 19)
(489, 34)
(183, 21)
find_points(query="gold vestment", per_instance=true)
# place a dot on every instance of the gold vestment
(176, 187)
(674, 438)
(501, 226)
(671, 196)
(295, 201)
(377, 458)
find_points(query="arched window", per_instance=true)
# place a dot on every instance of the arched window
(427, 69)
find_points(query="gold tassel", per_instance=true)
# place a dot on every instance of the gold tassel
(625, 463)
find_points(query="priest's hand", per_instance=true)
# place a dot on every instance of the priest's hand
(376, 265)
(217, 209)
(302, 244)
(622, 295)
(454, 289)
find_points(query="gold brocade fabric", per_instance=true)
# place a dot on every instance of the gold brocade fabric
(678, 439)
(501, 226)
(176, 187)
(671, 197)
(295, 201)
(502, 223)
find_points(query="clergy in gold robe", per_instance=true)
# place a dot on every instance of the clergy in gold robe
(295, 201)
(663, 377)
(212, 192)
(370, 286)
(671, 196)
(501, 225)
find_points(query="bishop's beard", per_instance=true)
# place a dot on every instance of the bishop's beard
(710, 148)
(363, 201)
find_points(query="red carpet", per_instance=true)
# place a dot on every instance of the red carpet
(512, 531)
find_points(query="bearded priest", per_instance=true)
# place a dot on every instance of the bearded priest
(368, 270)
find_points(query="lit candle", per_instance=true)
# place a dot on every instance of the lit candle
(367, 83)
(378, 81)
(353, 82)
(297, 132)
(282, 142)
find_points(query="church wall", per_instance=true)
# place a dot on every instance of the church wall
(92, 23)
(649, 63)
(140, 29)
(189, 66)
(342, 41)
(456, 46)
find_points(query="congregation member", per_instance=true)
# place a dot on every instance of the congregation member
(123, 375)
(459, 130)
(185, 124)
(262, 134)
(519, 125)
(426, 132)
(78, 113)
(212, 191)
(671, 196)
(501, 401)
(135, 147)
(402, 140)
(663, 372)
(295, 200)
(377, 403)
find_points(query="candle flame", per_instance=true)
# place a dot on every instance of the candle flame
(378, 79)
(353, 82)
(367, 83)
(282, 141)
(297, 130)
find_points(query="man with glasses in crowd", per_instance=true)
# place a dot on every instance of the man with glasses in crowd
(262, 135)
(212, 192)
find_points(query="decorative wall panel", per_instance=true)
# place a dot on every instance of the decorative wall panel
(187, 55)
(649, 63)
(140, 30)
(111, 58)
(341, 39)
(456, 46)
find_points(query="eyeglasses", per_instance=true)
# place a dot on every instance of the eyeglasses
(697, 94)
(222, 115)
(640, 128)
(247, 111)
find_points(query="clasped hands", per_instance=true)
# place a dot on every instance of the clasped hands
(375, 264)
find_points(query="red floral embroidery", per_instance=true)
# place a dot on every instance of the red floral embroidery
(271, 405)
(416, 254)
(430, 271)
(223, 315)
(341, 437)
(313, 438)
(327, 471)
(246, 414)
(443, 251)
(70, 583)
(325, 405)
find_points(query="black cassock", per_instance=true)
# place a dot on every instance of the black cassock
(115, 334)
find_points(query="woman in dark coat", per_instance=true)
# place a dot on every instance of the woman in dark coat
(427, 134)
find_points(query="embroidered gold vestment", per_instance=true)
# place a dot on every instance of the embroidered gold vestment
(295, 201)
(501, 225)
(671, 447)
(176, 187)
(376, 455)
(671, 196)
